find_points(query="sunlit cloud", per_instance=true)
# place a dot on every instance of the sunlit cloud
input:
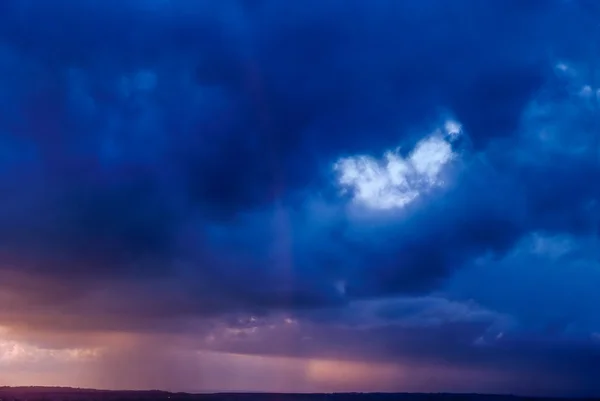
(14, 352)
(396, 181)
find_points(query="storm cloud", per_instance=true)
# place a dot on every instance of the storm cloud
(357, 171)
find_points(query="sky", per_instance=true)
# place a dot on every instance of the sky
(301, 196)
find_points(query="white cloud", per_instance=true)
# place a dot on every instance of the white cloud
(453, 129)
(396, 181)
(429, 157)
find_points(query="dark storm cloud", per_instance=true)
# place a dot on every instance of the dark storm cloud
(426, 333)
(162, 161)
(116, 146)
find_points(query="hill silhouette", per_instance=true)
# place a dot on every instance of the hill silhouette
(35, 393)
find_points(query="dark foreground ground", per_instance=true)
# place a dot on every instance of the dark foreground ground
(72, 394)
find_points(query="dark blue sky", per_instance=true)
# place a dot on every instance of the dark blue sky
(332, 195)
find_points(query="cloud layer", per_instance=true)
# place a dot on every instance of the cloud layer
(309, 180)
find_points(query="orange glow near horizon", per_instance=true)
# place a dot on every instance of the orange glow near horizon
(352, 376)
(127, 365)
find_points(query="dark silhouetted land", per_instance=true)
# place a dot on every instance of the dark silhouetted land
(76, 394)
